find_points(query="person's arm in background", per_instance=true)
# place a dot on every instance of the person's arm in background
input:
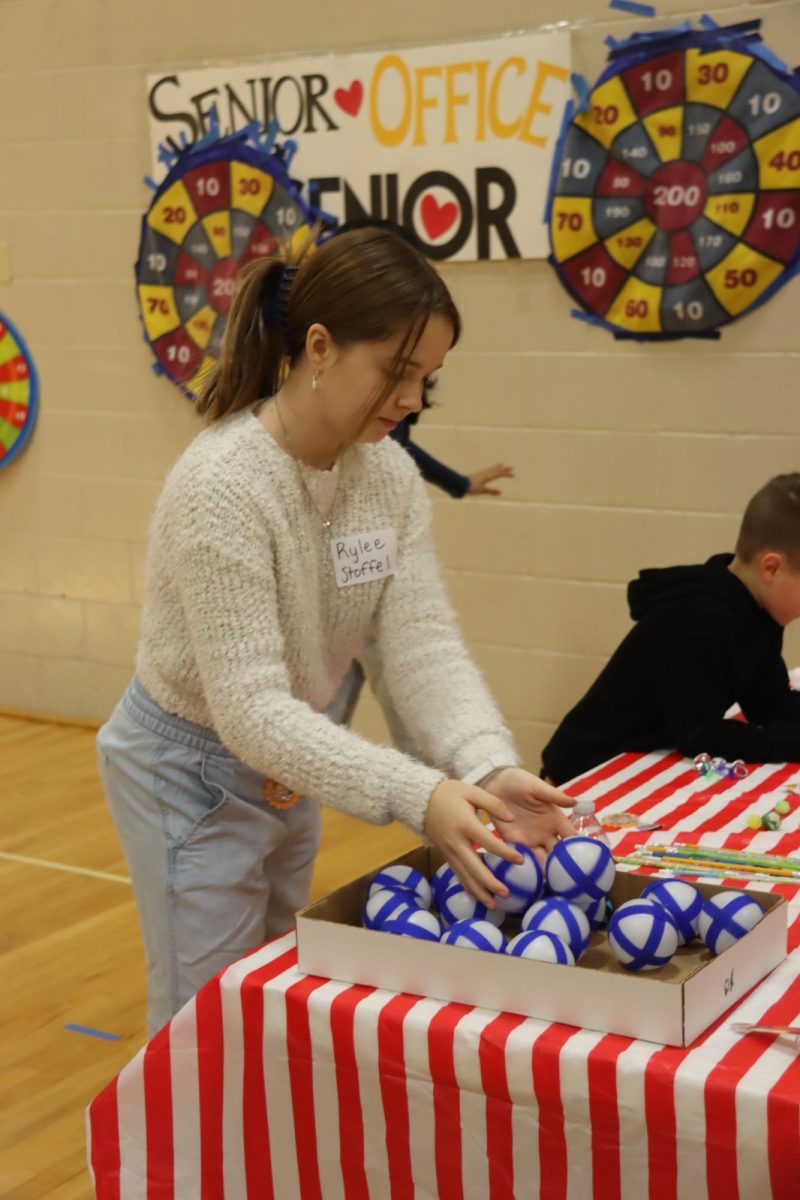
(444, 477)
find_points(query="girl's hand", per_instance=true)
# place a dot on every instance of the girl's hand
(479, 480)
(453, 825)
(536, 806)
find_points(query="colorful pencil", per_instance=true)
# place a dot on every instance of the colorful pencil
(746, 857)
(701, 871)
(724, 868)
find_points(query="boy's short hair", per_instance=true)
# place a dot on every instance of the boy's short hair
(771, 520)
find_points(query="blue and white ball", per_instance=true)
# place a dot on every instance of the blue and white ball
(525, 880)
(477, 935)
(544, 947)
(726, 917)
(456, 904)
(682, 901)
(562, 918)
(598, 912)
(384, 904)
(406, 879)
(416, 923)
(580, 869)
(642, 935)
(441, 881)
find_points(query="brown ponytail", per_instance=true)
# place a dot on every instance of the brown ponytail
(363, 285)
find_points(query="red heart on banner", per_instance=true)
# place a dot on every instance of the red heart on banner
(437, 218)
(349, 99)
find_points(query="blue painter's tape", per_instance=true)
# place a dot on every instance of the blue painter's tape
(98, 1033)
(581, 90)
(632, 6)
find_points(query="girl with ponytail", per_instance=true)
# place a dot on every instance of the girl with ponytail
(291, 530)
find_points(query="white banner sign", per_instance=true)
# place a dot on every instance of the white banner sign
(454, 142)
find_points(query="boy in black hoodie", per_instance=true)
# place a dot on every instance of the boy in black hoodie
(706, 637)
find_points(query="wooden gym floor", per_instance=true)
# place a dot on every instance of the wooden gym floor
(70, 951)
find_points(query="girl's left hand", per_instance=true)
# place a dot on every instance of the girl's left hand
(538, 819)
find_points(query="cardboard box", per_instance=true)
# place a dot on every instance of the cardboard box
(671, 1005)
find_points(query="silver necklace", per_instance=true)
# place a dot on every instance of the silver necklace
(326, 521)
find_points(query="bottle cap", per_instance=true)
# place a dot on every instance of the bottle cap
(583, 807)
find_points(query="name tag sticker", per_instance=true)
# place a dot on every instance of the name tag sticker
(360, 557)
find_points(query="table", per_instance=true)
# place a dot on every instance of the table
(275, 1084)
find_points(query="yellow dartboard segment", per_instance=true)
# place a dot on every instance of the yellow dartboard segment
(778, 156)
(571, 225)
(741, 277)
(159, 313)
(628, 244)
(636, 307)
(201, 326)
(731, 211)
(713, 78)
(218, 227)
(250, 187)
(666, 132)
(173, 214)
(611, 111)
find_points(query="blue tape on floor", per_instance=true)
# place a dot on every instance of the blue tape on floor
(98, 1033)
(630, 6)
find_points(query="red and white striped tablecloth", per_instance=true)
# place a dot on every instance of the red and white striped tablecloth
(275, 1084)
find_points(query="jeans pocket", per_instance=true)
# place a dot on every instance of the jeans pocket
(187, 803)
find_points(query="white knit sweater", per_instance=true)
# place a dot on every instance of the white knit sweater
(244, 629)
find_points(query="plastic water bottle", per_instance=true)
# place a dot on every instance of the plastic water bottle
(586, 823)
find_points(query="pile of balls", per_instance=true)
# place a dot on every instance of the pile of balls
(772, 819)
(557, 908)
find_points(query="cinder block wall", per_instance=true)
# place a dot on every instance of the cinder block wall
(626, 455)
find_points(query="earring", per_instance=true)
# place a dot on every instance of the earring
(315, 380)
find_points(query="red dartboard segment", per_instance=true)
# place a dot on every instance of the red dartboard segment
(188, 272)
(656, 83)
(220, 206)
(15, 414)
(683, 172)
(596, 276)
(262, 242)
(14, 369)
(775, 225)
(726, 141)
(210, 188)
(618, 179)
(683, 261)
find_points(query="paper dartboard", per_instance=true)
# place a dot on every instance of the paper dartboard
(676, 194)
(19, 392)
(218, 208)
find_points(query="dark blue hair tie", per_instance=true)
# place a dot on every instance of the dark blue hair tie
(275, 300)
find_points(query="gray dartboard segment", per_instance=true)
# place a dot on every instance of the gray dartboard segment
(610, 214)
(634, 147)
(197, 244)
(691, 306)
(582, 162)
(699, 122)
(653, 264)
(739, 174)
(763, 101)
(711, 241)
(157, 258)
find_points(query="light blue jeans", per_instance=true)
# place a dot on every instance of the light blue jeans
(216, 870)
